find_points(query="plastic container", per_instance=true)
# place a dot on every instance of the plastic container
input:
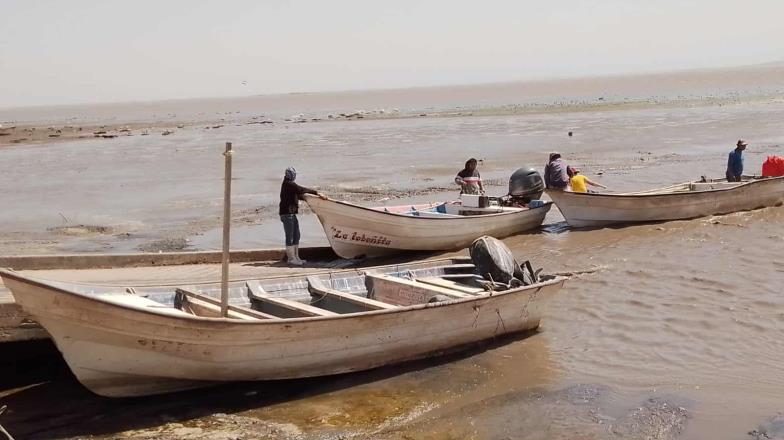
(475, 200)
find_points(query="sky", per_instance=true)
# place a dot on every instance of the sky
(85, 51)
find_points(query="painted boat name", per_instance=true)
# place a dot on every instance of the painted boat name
(360, 237)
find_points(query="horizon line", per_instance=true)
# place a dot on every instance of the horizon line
(768, 64)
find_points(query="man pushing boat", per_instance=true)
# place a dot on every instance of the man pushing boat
(290, 195)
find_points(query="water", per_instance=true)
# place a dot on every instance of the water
(677, 335)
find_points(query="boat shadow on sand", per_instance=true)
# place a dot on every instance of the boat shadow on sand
(346, 263)
(44, 400)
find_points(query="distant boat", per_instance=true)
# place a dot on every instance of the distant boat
(356, 232)
(148, 340)
(681, 201)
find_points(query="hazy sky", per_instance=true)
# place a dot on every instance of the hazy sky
(59, 52)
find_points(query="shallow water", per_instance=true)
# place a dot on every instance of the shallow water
(678, 335)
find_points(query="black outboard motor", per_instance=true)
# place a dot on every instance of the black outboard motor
(496, 264)
(526, 184)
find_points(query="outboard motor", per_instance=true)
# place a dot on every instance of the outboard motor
(496, 264)
(526, 184)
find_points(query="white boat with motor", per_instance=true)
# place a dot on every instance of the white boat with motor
(147, 340)
(681, 201)
(356, 231)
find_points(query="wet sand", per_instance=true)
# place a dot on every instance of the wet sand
(676, 336)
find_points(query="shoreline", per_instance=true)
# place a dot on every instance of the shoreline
(25, 133)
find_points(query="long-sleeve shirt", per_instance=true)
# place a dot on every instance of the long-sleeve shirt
(290, 195)
(555, 175)
(735, 163)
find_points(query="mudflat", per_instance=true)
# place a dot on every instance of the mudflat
(676, 335)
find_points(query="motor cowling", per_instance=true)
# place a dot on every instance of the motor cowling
(526, 183)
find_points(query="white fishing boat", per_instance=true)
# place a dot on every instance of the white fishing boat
(146, 340)
(355, 231)
(682, 201)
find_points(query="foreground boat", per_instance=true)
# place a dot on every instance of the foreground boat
(150, 340)
(682, 201)
(355, 231)
(16, 325)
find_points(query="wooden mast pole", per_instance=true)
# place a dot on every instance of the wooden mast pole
(226, 230)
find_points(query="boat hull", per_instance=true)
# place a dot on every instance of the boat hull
(357, 232)
(121, 351)
(592, 210)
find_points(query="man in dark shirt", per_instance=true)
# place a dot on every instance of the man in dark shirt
(290, 195)
(735, 162)
(555, 175)
(469, 179)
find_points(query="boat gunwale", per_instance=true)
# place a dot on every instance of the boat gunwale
(448, 260)
(282, 321)
(647, 194)
(546, 204)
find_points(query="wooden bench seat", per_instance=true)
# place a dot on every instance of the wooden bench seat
(141, 302)
(342, 301)
(403, 292)
(449, 284)
(284, 308)
(205, 305)
(459, 267)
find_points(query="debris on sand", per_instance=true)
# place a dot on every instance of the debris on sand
(772, 429)
(165, 245)
(81, 230)
(655, 419)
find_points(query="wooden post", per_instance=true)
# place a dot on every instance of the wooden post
(226, 230)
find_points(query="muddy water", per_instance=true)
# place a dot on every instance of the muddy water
(676, 335)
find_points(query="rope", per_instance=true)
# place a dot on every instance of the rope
(2, 410)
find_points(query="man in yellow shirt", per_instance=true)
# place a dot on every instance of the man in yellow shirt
(579, 182)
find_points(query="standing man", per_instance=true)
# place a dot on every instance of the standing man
(469, 179)
(555, 175)
(735, 162)
(290, 195)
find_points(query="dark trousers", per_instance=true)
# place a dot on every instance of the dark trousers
(732, 177)
(291, 228)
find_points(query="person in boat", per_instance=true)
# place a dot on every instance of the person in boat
(469, 179)
(735, 162)
(290, 195)
(555, 174)
(579, 183)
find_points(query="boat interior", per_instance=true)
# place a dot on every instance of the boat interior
(317, 295)
(450, 209)
(696, 186)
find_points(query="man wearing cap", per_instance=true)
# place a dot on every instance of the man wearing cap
(290, 195)
(735, 162)
(555, 175)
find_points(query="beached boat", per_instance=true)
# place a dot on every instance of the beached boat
(682, 201)
(17, 325)
(355, 231)
(149, 340)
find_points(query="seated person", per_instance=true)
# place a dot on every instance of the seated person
(579, 182)
(555, 174)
